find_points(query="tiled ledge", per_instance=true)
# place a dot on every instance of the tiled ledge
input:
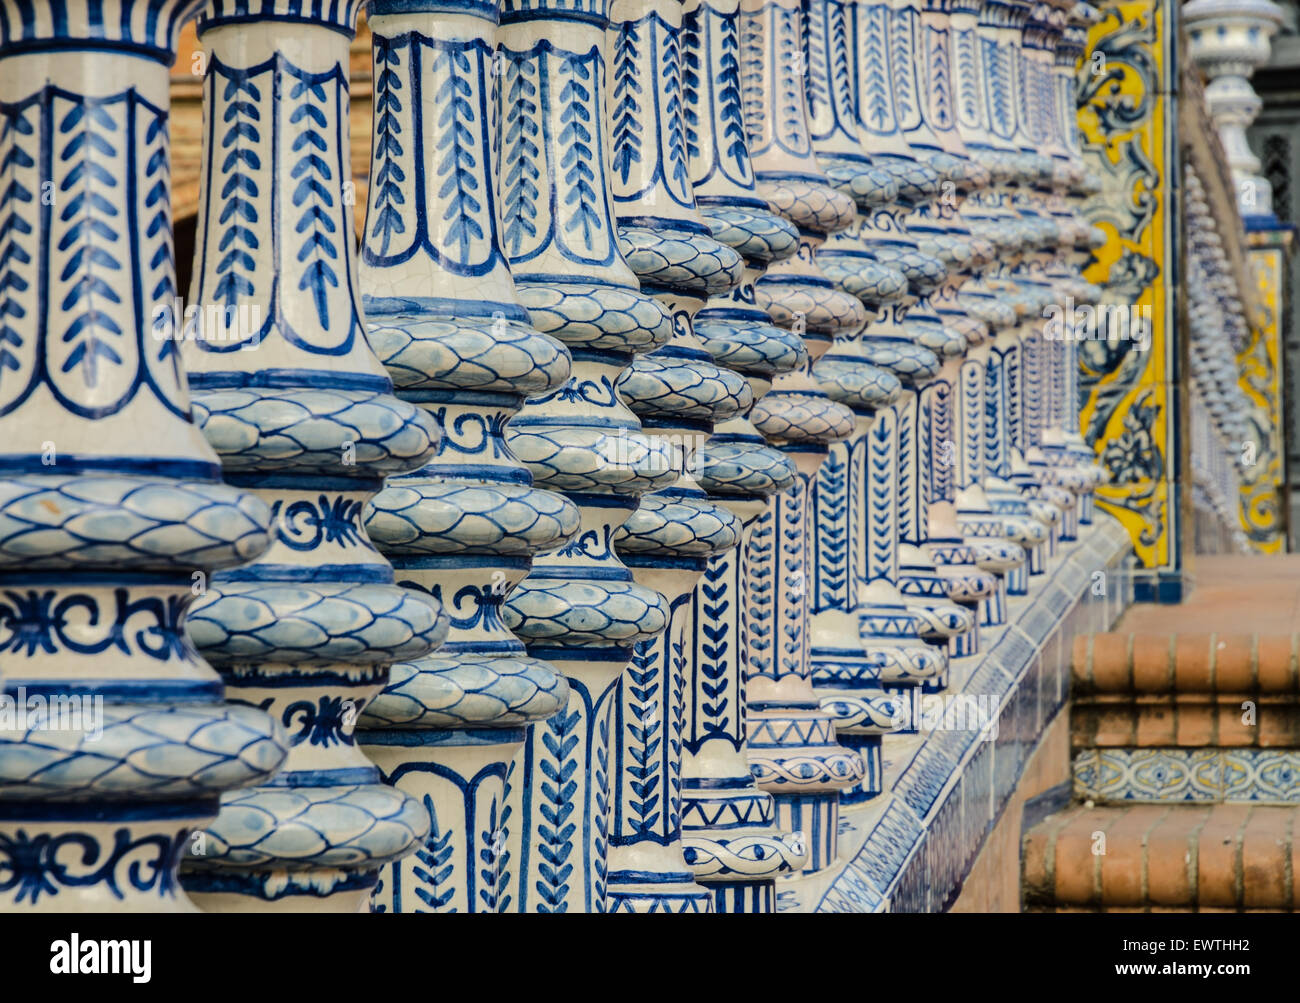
(909, 849)
(1172, 776)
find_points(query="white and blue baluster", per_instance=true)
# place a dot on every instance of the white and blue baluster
(300, 410)
(729, 827)
(117, 744)
(580, 608)
(793, 749)
(679, 393)
(444, 317)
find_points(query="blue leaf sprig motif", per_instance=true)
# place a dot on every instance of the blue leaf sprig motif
(521, 153)
(455, 161)
(436, 868)
(16, 201)
(627, 114)
(578, 138)
(557, 827)
(237, 267)
(90, 212)
(313, 192)
(386, 191)
(714, 666)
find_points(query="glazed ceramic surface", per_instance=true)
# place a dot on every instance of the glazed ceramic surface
(581, 499)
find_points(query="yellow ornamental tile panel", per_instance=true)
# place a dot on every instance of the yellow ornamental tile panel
(1129, 410)
(1259, 376)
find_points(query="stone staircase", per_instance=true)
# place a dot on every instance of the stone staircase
(1185, 792)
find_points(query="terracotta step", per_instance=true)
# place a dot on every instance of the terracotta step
(1186, 690)
(1185, 663)
(1163, 857)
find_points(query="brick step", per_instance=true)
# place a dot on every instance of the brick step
(1188, 691)
(1183, 664)
(1180, 858)
(1187, 720)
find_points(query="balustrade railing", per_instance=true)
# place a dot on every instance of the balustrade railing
(697, 408)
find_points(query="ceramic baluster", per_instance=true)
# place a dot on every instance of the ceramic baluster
(679, 392)
(1034, 511)
(579, 608)
(909, 340)
(993, 139)
(989, 217)
(849, 671)
(1025, 280)
(793, 749)
(444, 318)
(975, 569)
(1040, 484)
(921, 58)
(110, 498)
(1067, 463)
(298, 408)
(731, 839)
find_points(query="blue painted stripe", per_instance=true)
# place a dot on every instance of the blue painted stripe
(434, 737)
(505, 648)
(358, 676)
(664, 226)
(125, 691)
(614, 654)
(169, 468)
(605, 357)
(368, 484)
(253, 884)
(733, 202)
(581, 574)
(345, 26)
(292, 379)
(642, 560)
(503, 399)
(344, 574)
(475, 8)
(422, 308)
(649, 877)
(344, 777)
(554, 14)
(492, 473)
(448, 562)
(584, 500)
(126, 578)
(718, 784)
(675, 422)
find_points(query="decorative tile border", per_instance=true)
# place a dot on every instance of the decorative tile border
(1261, 776)
(910, 849)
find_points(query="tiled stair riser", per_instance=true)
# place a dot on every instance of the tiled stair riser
(1127, 776)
